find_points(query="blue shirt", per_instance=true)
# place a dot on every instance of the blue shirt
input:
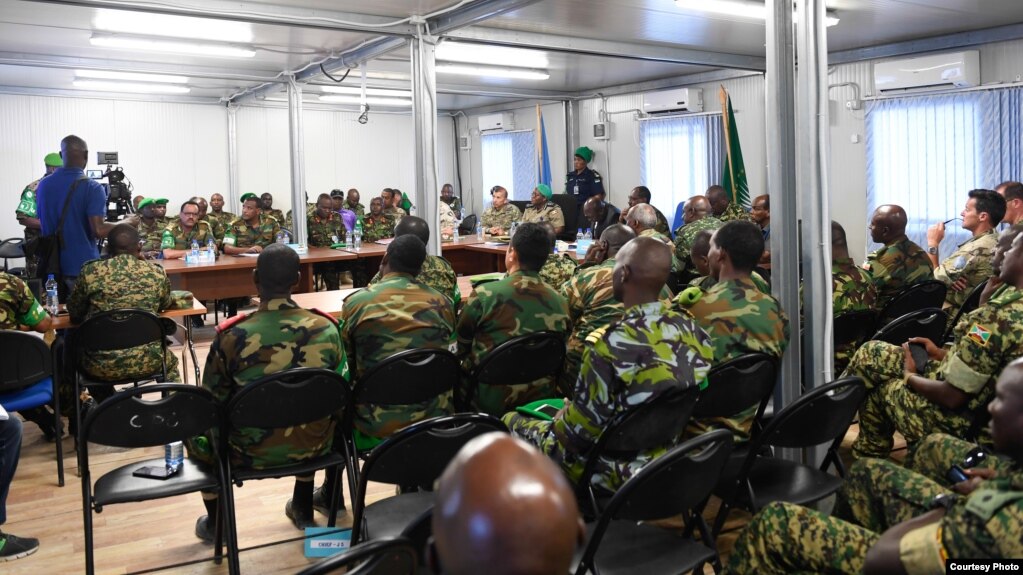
(89, 200)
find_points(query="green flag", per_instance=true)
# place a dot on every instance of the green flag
(734, 178)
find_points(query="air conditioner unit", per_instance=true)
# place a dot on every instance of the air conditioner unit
(677, 100)
(926, 73)
(504, 121)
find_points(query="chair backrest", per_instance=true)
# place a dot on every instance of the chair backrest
(118, 329)
(926, 294)
(409, 377)
(816, 417)
(570, 210)
(972, 302)
(127, 420)
(468, 225)
(677, 221)
(853, 327)
(28, 360)
(12, 248)
(418, 454)
(289, 398)
(523, 359)
(736, 385)
(395, 556)
(929, 323)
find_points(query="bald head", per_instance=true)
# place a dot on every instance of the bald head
(123, 239)
(74, 151)
(888, 223)
(415, 226)
(504, 508)
(594, 209)
(616, 237)
(276, 271)
(697, 208)
(641, 270)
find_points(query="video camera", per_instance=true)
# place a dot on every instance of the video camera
(118, 191)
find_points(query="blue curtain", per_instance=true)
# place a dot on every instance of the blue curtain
(680, 157)
(925, 153)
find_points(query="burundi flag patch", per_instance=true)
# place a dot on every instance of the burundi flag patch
(979, 334)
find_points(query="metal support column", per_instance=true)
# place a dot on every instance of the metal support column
(781, 184)
(296, 144)
(572, 133)
(424, 118)
(233, 194)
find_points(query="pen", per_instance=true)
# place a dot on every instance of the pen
(952, 220)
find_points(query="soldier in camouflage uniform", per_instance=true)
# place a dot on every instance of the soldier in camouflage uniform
(377, 225)
(26, 210)
(123, 281)
(252, 231)
(499, 217)
(696, 218)
(724, 208)
(396, 314)
(150, 229)
(324, 228)
(652, 350)
(19, 310)
(160, 211)
(955, 384)
(558, 269)
(900, 262)
(219, 215)
(970, 264)
(884, 509)
(447, 195)
(519, 304)
(352, 203)
(935, 454)
(739, 317)
(542, 209)
(392, 209)
(266, 206)
(277, 337)
(436, 271)
(851, 289)
(178, 237)
(215, 225)
(642, 219)
(642, 195)
(698, 255)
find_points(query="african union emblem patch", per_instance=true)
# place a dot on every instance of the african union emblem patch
(979, 334)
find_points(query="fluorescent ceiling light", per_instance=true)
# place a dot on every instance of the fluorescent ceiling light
(492, 55)
(147, 24)
(492, 72)
(377, 101)
(740, 8)
(131, 76)
(205, 49)
(369, 91)
(129, 87)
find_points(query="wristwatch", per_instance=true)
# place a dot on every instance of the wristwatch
(944, 501)
(933, 250)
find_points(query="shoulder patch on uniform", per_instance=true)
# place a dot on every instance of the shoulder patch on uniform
(325, 314)
(979, 334)
(596, 335)
(690, 295)
(231, 322)
(986, 503)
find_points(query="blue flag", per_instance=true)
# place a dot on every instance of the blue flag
(543, 158)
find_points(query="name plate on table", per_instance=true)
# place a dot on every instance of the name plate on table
(203, 258)
(326, 541)
(299, 249)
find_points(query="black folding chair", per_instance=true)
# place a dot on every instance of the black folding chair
(737, 385)
(27, 382)
(658, 422)
(127, 420)
(972, 302)
(519, 360)
(289, 399)
(381, 557)
(413, 457)
(12, 249)
(676, 483)
(851, 329)
(923, 295)
(819, 416)
(929, 323)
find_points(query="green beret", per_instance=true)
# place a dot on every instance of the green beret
(53, 160)
(146, 202)
(585, 153)
(161, 201)
(544, 190)
(249, 196)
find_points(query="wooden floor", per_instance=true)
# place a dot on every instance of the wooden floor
(144, 536)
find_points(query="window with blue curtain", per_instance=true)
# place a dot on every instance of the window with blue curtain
(925, 153)
(509, 161)
(680, 157)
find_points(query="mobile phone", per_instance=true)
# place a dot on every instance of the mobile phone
(547, 409)
(919, 353)
(154, 472)
(956, 474)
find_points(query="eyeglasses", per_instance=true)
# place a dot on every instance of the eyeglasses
(190, 213)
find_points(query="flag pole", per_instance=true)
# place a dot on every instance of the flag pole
(724, 97)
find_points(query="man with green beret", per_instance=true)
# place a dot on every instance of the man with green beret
(252, 231)
(150, 228)
(542, 209)
(583, 183)
(26, 210)
(160, 210)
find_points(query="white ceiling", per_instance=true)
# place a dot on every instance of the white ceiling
(41, 43)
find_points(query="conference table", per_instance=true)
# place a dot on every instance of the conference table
(63, 321)
(331, 302)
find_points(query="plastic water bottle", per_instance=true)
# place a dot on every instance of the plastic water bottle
(280, 237)
(578, 235)
(454, 236)
(52, 303)
(195, 249)
(479, 231)
(211, 248)
(349, 238)
(287, 237)
(587, 235)
(357, 237)
(173, 455)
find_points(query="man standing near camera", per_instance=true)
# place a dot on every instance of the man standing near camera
(26, 210)
(84, 223)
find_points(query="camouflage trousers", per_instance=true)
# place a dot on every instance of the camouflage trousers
(891, 405)
(936, 453)
(497, 400)
(878, 494)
